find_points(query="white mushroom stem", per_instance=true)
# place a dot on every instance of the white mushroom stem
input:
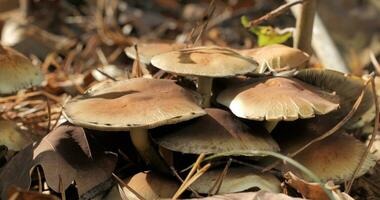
(205, 90)
(270, 125)
(141, 141)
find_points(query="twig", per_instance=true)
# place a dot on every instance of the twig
(374, 62)
(180, 179)
(105, 74)
(373, 137)
(121, 182)
(206, 19)
(49, 115)
(272, 14)
(219, 180)
(329, 132)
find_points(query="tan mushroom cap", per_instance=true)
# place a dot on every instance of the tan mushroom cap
(150, 186)
(237, 179)
(208, 61)
(334, 158)
(277, 56)
(277, 98)
(217, 132)
(133, 103)
(11, 137)
(17, 71)
(148, 50)
(347, 87)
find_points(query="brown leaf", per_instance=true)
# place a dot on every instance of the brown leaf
(260, 195)
(65, 156)
(18, 194)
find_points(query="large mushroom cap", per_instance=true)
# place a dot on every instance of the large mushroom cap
(334, 158)
(237, 179)
(209, 61)
(148, 50)
(277, 56)
(17, 71)
(217, 132)
(133, 103)
(347, 87)
(277, 98)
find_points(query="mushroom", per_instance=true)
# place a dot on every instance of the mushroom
(134, 105)
(334, 158)
(277, 98)
(206, 63)
(148, 50)
(148, 185)
(237, 179)
(216, 132)
(17, 71)
(11, 136)
(277, 57)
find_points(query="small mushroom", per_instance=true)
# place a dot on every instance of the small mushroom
(334, 158)
(206, 63)
(216, 132)
(277, 57)
(134, 105)
(17, 71)
(277, 98)
(11, 136)
(148, 50)
(237, 179)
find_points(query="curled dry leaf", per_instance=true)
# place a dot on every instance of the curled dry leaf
(313, 190)
(260, 195)
(65, 156)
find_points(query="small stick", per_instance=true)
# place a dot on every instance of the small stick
(121, 182)
(272, 14)
(210, 12)
(373, 137)
(105, 74)
(49, 115)
(180, 179)
(219, 180)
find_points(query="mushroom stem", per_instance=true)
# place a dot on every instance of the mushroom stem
(304, 26)
(25, 8)
(270, 125)
(204, 89)
(141, 141)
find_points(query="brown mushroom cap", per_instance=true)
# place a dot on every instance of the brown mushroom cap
(347, 87)
(133, 103)
(277, 98)
(148, 50)
(237, 179)
(334, 158)
(17, 71)
(277, 56)
(217, 132)
(208, 61)
(150, 186)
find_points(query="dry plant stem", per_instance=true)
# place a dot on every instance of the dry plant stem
(205, 90)
(180, 179)
(329, 132)
(141, 141)
(304, 26)
(121, 182)
(373, 137)
(274, 13)
(219, 180)
(191, 181)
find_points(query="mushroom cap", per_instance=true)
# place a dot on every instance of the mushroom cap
(11, 137)
(17, 71)
(237, 179)
(334, 158)
(277, 98)
(133, 103)
(150, 186)
(217, 132)
(277, 56)
(209, 61)
(148, 50)
(347, 87)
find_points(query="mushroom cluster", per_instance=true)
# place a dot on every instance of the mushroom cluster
(255, 108)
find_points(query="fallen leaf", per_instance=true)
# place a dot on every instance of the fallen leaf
(18, 194)
(260, 195)
(65, 156)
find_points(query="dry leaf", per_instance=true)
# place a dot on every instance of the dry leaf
(65, 156)
(260, 195)
(18, 194)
